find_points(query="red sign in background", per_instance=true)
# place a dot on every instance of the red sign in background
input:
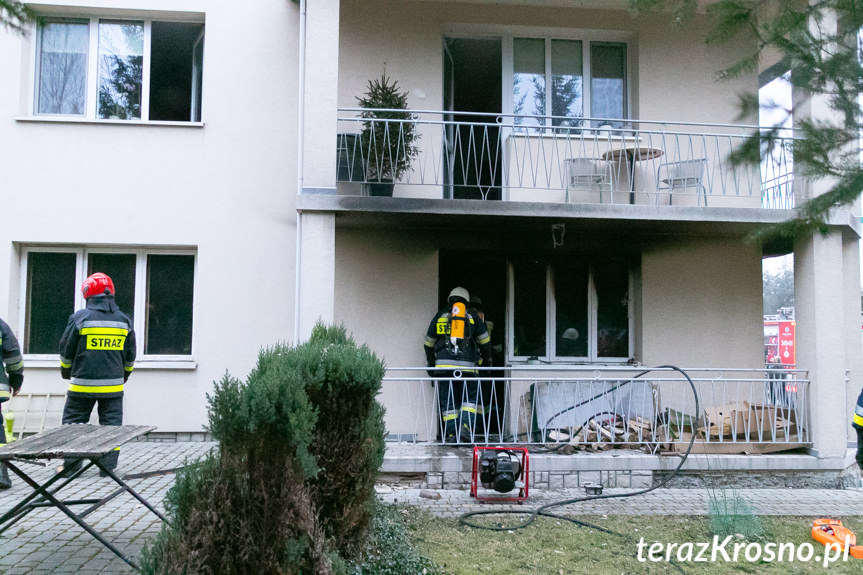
(786, 342)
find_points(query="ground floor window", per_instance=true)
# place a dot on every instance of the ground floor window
(154, 288)
(570, 309)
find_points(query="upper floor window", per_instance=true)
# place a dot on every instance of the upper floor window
(154, 288)
(549, 79)
(120, 69)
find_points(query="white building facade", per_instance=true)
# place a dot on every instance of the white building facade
(209, 157)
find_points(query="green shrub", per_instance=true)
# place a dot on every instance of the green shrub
(348, 443)
(731, 515)
(290, 489)
(389, 550)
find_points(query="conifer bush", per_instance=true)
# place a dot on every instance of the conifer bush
(291, 488)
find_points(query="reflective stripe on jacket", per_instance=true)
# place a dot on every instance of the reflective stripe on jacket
(475, 346)
(858, 412)
(97, 349)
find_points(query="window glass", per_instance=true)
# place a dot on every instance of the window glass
(63, 68)
(121, 269)
(170, 287)
(50, 299)
(121, 66)
(528, 81)
(571, 315)
(567, 82)
(197, 78)
(612, 293)
(529, 306)
(172, 75)
(607, 83)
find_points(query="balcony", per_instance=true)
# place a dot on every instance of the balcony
(562, 161)
(738, 410)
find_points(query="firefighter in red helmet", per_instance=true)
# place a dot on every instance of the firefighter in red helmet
(97, 354)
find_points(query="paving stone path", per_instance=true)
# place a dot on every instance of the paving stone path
(46, 541)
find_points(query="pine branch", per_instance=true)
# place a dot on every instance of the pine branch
(15, 15)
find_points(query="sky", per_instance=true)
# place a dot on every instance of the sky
(777, 93)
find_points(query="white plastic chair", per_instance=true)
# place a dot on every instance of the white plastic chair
(587, 174)
(680, 175)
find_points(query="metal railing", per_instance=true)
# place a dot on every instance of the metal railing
(499, 157)
(599, 406)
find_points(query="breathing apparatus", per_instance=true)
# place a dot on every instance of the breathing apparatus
(459, 298)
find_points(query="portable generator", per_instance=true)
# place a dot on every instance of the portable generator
(501, 469)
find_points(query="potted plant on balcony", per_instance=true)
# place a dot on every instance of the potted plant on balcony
(389, 146)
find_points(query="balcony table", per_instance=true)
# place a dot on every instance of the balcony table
(632, 153)
(81, 442)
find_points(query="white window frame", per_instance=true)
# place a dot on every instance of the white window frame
(587, 37)
(139, 312)
(91, 99)
(551, 315)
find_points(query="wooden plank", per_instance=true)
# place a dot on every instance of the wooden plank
(79, 440)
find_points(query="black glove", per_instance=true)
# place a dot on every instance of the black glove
(66, 372)
(126, 375)
(16, 380)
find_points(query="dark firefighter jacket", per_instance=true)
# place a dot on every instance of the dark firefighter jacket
(858, 412)
(441, 354)
(11, 357)
(97, 350)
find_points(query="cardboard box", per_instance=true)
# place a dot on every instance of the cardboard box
(745, 421)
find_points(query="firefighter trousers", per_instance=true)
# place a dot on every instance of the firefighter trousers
(457, 400)
(110, 410)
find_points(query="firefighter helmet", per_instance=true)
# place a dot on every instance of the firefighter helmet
(459, 292)
(97, 284)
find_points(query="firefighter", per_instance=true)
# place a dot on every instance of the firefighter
(455, 343)
(97, 354)
(9, 385)
(858, 427)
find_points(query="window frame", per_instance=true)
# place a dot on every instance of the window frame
(138, 313)
(91, 99)
(551, 319)
(587, 39)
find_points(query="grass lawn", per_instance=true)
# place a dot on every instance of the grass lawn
(554, 547)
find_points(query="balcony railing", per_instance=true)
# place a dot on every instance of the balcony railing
(606, 406)
(550, 159)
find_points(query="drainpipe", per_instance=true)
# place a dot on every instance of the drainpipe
(301, 101)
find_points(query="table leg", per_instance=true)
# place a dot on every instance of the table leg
(43, 491)
(128, 489)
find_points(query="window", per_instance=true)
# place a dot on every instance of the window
(120, 69)
(570, 310)
(155, 289)
(549, 80)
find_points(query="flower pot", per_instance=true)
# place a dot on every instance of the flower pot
(382, 188)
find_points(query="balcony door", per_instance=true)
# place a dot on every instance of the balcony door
(472, 99)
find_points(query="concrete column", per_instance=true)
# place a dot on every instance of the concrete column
(317, 271)
(819, 293)
(852, 332)
(321, 96)
(317, 231)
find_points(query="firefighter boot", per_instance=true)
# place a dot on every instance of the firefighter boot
(5, 482)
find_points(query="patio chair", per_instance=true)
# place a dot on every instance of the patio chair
(587, 174)
(681, 175)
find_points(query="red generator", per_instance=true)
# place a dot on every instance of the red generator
(501, 469)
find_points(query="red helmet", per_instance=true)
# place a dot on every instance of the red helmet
(97, 284)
